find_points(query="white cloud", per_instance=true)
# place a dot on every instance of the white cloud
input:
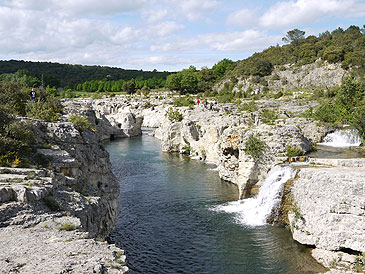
(165, 28)
(169, 60)
(154, 16)
(243, 18)
(229, 41)
(142, 33)
(292, 13)
(193, 9)
(80, 7)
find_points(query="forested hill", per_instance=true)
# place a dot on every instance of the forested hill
(61, 75)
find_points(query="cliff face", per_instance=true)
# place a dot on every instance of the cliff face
(219, 137)
(77, 191)
(319, 74)
(111, 118)
(329, 210)
(79, 179)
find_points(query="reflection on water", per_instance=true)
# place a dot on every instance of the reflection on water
(336, 153)
(166, 224)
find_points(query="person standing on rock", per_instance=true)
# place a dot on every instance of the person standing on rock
(197, 102)
(32, 94)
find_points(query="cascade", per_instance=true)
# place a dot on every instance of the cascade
(342, 138)
(255, 211)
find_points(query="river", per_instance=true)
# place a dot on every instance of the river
(167, 222)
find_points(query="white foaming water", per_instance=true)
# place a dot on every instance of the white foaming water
(342, 138)
(255, 211)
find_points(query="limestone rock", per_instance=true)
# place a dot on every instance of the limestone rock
(329, 211)
(55, 245)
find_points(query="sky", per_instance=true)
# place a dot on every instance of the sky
(167, 35)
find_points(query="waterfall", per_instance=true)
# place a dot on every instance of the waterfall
(342, 138)
(255, 211)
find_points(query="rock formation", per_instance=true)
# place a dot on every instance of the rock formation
(75, 189)
(329, 210)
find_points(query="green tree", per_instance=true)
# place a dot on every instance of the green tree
(262, 68)
(129, 87)
(294, 36)
(173, 81)
(189, 81)
(358, 120)
(221, 67)
(350, 93)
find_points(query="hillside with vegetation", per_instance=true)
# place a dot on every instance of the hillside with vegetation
(345, 48)
(65, 75)
(328, 70)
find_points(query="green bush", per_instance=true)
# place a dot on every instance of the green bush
(330, 112)
(16, 141)
(184, 101)
(13, 97)
(80, 122)
(255, 148)
(268, 116)
(42, 111)
(250, 107)
(293, 151)
(174, 115)
(357, 120)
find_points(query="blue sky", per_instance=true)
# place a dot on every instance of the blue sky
(160, 34)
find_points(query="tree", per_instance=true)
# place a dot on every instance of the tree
(173, 81)
(262, 68)
(221, 67)
(294, 36)
(350, 93)
(189, 81)
(129, 87)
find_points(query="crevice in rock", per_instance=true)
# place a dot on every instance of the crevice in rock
(349, 251)
(231, 151)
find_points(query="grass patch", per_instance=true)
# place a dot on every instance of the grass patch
(68, 227)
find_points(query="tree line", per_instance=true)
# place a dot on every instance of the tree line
(68, 76)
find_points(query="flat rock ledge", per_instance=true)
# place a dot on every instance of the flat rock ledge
(55, 245)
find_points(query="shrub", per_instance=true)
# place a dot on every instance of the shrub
(360, 262)
(357, 120)
(80, 122)
(255, 148)
(39, 110)
(268, 116)
(13, 97)
(184, 101)
(174, 115)
(16, 139)
(330, 112)
(293, 151)
(187, 149)
(226, 97)
(250, 107)
(45, 108)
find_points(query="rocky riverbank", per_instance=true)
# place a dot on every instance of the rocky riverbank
(219, 136)
(329, 211)
(54, 218)
(323, 198)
